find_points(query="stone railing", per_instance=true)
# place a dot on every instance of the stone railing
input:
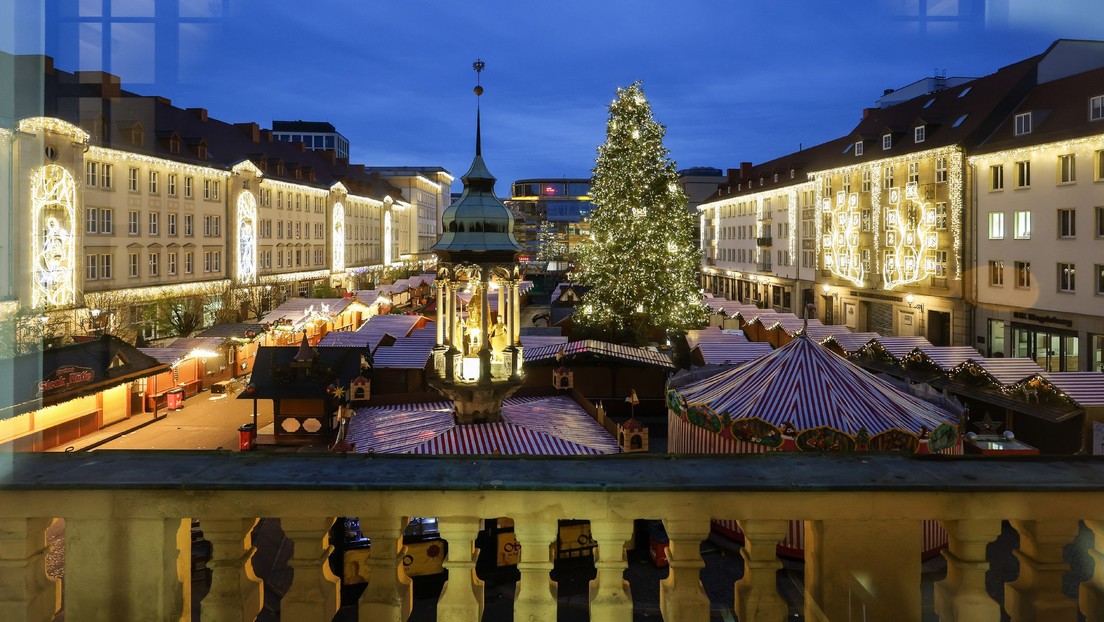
(127, 522)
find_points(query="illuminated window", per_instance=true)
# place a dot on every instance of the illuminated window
(887, 142)
(918, 133)
(1021, 225)
(996, 273)
(941, 216)
(939, 269)
(1067, 168)
(1066, 274)
(1023, 174)
(1096, 108)
(1023, 123)
(866, 180)
(91, 174)
(941, 170)
(1023, 274)
(847, 184)
(914, 172)
(887, 178)
(1067, 223)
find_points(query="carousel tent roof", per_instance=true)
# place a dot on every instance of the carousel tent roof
(805, 384)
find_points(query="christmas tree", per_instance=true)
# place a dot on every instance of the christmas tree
(641, 264)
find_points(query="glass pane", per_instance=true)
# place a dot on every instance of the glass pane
(996, 338)
(1022, 339)
(1070, 359)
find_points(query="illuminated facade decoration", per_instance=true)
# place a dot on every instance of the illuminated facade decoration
(840, 236)
(53, 205)
(387, 237)
(247, 238)
(910, 238)
(337, 238)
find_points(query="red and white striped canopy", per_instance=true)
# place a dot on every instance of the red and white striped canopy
(805, 384)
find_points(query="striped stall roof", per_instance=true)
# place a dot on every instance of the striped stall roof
(804, 383)
(820, 332)
(396, 325)
(345, 339)
(946, 357)
(1003, 371)
(180, 349)
(295, 309)
(762, 316)
(791, 323)
(531, 426)
(715, 334)
(601, 348)
(367, 296)
(898, 347)
(850, 343)
(1084, 387)
(411, 352)
(732, 352)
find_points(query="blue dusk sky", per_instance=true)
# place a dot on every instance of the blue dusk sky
(732, 80)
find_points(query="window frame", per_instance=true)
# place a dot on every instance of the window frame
(996, 273)
(1067, 278)
(996, 178)
(1021, 225)
(919, 133)
(1023, 274)
(1067, 168)
(1023, 174)
(887, 142)
(1067, 223)
(1022, 124)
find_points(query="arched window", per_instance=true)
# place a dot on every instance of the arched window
(247, 238)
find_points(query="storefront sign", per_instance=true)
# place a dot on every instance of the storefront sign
(1042, 319)
(65, 379)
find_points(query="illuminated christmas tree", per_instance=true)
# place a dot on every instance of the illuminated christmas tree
(641, 265)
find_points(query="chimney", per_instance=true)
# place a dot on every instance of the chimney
(867, 111)
(330, 155)
(199, 112)
(266, 136)
(745, 170)
(252, 131)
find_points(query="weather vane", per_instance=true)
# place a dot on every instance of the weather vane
(478, 66)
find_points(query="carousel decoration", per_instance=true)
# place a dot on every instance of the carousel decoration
(562, 377)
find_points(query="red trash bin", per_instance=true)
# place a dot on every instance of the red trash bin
(247, 436)
(174, 399)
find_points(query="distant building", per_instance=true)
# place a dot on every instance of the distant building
(550, 215)
(428, 190)
(315, 135)
(699, 183)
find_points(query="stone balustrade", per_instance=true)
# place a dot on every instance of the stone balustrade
(127, 521)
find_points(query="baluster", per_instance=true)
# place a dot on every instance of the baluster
(26, 592)
(388, 595)
(962, 595)
(855, 568)
(236, 592)
(1092, 590)
(109, 563)
(536, 595)
(314, 590)
(609, 592)
(462, 598)
(681, 596)
(757, 595)
(1036, 595)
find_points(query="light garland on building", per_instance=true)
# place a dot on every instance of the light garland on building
(247, 238)
(157, 292)
(1094, 143)
(910, 238)
(284, 185)
(299, 276)
(791, 207)
(247, 166)
(127, 157)
(54, 218)
(34, 125)
(338, 237)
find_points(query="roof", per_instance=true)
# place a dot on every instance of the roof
(529, 340)
(850, 342)
(1084, 387)
(235, 330)
(410, 352)
(274, 378)
(296, 309)
(601, 350)
(898, 347)
(181, 348)
(1001, 371)
(732, 352)
(531, 426)
(803, 383)
(945, 358)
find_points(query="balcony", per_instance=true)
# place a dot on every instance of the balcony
(763, 242)
(127, 530)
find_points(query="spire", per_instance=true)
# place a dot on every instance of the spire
(478, 66)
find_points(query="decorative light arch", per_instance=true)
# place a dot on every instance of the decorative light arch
(247, 238)
(53, 208)
(387, 237)
(338, 237)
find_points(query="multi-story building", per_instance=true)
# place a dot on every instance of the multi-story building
(428, 190)
(550, 218)
(123, 203)
(699, 183)
(888, 212)
(315, 135)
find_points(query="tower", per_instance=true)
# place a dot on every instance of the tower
(477, 359)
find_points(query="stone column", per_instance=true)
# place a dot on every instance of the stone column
(26, 592)
(681, 596)
(485, 328)
(502, 308)
(314, 592)
(109, 563)
(515, 308)
(609, 592)
(462, 598)
(1036, 595)
(536, 599)
(1092, 590)
(388, 595)
(855, 568)
(236, 594)
(440, 313)
(961, 597)
(450, 355)
(757, 595)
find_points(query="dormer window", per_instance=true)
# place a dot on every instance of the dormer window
(858, 148)
(201, 151)
(1023, 123)
(137, 135)
(887, 142)
(776, 178)
(1096, 108)
(919, 133)
(791, 173)
(174, 144)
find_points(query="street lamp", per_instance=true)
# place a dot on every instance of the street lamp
(911, 300)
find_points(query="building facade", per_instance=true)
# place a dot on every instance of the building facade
(428, 189)
(550, 218)
(315, 135)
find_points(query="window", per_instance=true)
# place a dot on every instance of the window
(996, 273)
(105, 220)
(91, 174)
(105, 266)
(1096, 108)
(132, 180)
(207, 261)
(858, 148)
(298, 229)
(846, 185)
(188, 225)
(172, 185)
(940, 261)
(1021, 225)
(1067, 223)
(153, 182)
(280, 259)
(215, 189)
(172, 224)
(218, 230)
(1098, 270)
(133, 265)
(154, 219)
(887, 141)
(90, 267)
(279, 200)
(280, 229)
(1067, 168)
(172, 263)
(866, 180)
(105, 176)
(154, 258)
(1023, 174)
(1023, 123)
(206, 188)
(187, 187)
(887, 178)
(1100, 222)
(1023, 274)
(1099, 171)
(1066, 275)
(92, 220)
(996, 177)
(216, 259)
(132, 222)
(918, 133)
(207, 226)
(188, 262)
(914, 172)
(941, 216)
(941, 170)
